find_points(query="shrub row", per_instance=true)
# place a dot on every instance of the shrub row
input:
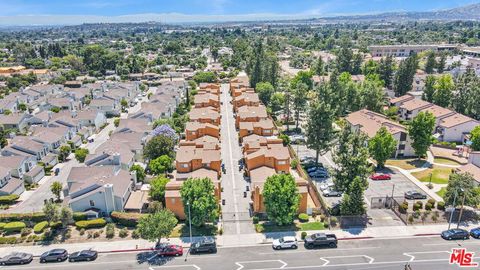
(15, 226)
(25, 217)
(8, 240)
(40, 227)
(9, 199)
(77, 216)
(126, 219)
(88, 224)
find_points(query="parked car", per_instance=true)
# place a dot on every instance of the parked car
(54, 255)
(455, 234)
(16, 258)
(297, 138)
(84, 255)
(319, 174)
(326, 186)
(321, 239)
(205, 245)
(314, 169)
(332, 193)
(307, 159)
(414, 195)
(170, 250)
(285, 242)
(380, 176)
(475, 232)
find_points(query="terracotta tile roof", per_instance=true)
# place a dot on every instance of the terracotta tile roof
(248, 97)
(252, 111)
(189, 153)
(205, 98)
(263, 123)
(203, 113)
(200, 173)
(259, 175)
(193, 126)
(277, 151)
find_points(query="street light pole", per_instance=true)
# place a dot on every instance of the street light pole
(461, 211)
(453, 210)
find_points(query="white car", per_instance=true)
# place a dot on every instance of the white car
(326, 186)
(285, 242)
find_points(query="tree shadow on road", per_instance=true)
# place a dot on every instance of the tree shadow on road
(152, 258)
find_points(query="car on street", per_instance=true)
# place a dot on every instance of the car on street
(170, 250)
(414, 195)
(318, 167)
(381, 176)
(204, 245)
(475, 232)
(455, 234)
(326, 186)
(285, 243)
(321, 239)
(297, 139)
(319, 174)
(332, 193)
(16, 258)
(54, 255)
(84, 255)
(307, 159)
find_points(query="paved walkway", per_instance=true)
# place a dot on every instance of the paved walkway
(235, 240)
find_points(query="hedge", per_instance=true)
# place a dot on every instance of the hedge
(8, 240)
(303, 217)
(88, 224)
(126, 219)
(25, 217)
(16, 226)
(2, 224)
(40, 227)
(9, 199)
(77, 216)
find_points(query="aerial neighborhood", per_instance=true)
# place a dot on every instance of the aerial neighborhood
(353, 140)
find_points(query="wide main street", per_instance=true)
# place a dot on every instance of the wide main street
(422, 253)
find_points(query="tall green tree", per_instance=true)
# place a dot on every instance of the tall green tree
(382, 146)
(320, 131)
(160, 165)
(404, 76)
(351, 157)
(420, 130)
(429, 91)
(265, 91)
(352, 203)
(431, 63)
(441, 63)
(258, 57)
(357, 61)
(65, 216)
(372, 95)
(299, 101)
(200, 194)
(157, 188)
(463, 184)
(277, 102)
(385, 69)
(64, 152)
(153, 227)
(158, 146)
(344, 57)
(281, 198)
(50, 210)
(56, 189)
(319, 66)
(140, 172)
(475, 138)
(443, 91)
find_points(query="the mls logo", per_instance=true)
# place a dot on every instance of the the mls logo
(462, 258)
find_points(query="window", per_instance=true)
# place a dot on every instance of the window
(267, 131)
(184, 165)
(193, 132)
(92, 203)
(282, 162)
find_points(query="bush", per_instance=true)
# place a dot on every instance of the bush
(303, 217)
(88, 224)
(417, 206)
(25, 217)
(110, 230)
(9, 199)
(40, 227)
(8, 240)
(403, 207)
(126, 219)
(431, 201)
(322, 218)
(135, 234)
(97, 234)
(2, 224)
(441, 206)
(123, 233)
(294, 164)
(82, 231)
(410, 219)
(304, 235)
(333, 221)
(428, 206)
(12, 227)
(56, 225)
(77, 216)
(25, 231)
(255, 220)
(419, 203)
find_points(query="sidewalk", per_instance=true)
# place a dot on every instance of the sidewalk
(236, 240)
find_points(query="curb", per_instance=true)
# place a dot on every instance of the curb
(426, 234)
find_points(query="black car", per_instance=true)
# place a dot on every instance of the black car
(16, 258)
(54, 255)
(84, 255)
(414, 195)
(205, 245)
(455, 234)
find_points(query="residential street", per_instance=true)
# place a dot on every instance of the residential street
(235, 213)
(423, 253)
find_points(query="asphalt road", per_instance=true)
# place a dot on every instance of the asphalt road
(425, 253)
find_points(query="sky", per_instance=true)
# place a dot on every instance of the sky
(25, 12)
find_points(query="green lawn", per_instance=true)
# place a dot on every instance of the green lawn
(308, 226)
(439, 175)
(407, 163)
(442, 192)
(445, 161)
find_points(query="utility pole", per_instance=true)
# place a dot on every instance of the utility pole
(453, 210)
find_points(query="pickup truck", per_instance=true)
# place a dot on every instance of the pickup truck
(321, 239)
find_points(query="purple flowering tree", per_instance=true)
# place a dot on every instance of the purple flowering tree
(165, 130)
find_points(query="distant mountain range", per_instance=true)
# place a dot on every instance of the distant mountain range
(469, 12)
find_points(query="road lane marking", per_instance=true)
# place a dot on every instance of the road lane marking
(235, 205)
(314, 250)
(174, 266)
(453, 243)
(325, 260)
(412, 258)
(370, 259)
(241, 266)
